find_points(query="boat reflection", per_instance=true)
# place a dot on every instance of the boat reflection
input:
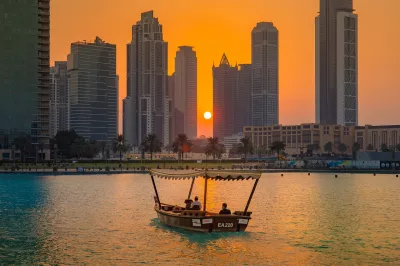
(201, 239)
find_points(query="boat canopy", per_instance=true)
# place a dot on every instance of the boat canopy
(210, 174)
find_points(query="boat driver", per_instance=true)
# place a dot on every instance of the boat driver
(196, 205)
(225, 209)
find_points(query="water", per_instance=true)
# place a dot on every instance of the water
(108, 219)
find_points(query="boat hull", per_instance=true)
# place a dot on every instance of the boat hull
(207, 223)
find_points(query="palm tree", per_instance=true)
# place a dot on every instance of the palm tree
(328, 147)
(246, 147)
(356, 147)
(152, 144)
(181, 145)
(277, 146)
(214, 148)
(342, 147)
(120, 146)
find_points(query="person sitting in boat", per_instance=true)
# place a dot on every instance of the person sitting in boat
(225, 209)
(196, 205)
(188, 204)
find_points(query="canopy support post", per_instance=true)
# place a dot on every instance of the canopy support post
(191, 187)
(155, 189)
(205, 193)
(251, 196)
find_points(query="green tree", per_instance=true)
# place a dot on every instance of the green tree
(78, 147)
(397, 147)
(64, 141)
(384, 148)
(24, 145)
(277, 146)
(342, 147)
(246, 147)
(214, 148)
(120, 146)
(370, 147)
(181, 145)
(356, 148)
(152, 144)
(328, 147)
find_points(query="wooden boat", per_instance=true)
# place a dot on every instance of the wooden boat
(202, 220)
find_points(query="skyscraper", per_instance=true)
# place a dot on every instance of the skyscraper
(224, 96)
(243, 97)
(336, 67)
(24, 71)
(171, 91)
(265, 85)
(59, 106)
(147, 100)
(93, 90)
(185, 92)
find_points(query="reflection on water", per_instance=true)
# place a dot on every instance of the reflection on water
(109, 219)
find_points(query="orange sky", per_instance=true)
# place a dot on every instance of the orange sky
(217, 26)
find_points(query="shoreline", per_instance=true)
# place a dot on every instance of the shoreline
(264, 171)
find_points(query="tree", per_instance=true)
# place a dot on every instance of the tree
(342, 147)
(397, 147)
(78, 147)
(152, 144)
(214, 148)
(356, 147)
(235, 149)
(328, 147)
(277, 146)
(120, 146)
(24, 145)
(370, 147)
(181, 145)
(246, 147)
(384, 148)
(64, 141)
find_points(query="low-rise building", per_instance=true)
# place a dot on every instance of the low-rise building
(229, 141)
(298, 137)
(372, 138)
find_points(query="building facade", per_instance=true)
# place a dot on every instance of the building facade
(59, 104)
(298, 137)
(185, 92)
(243, 102)
(224, 96)
(171, 92)
(230, 141)
(147, 102)
(336, 65)
(373, 138)
(24, 71)
(93, 90)
(265, 81)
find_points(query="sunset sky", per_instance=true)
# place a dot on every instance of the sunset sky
(215, 27)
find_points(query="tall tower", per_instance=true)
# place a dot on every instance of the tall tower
(185, 92)
(265, 86)
(93, 90)
(59, 104)
(24, 71)
(336, 66)
(243, 97)
(224, 96)
(147, 103)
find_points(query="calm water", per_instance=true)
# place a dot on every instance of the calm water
(298, 219)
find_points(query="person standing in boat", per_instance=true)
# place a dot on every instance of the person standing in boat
(196, 205)
(225, 209)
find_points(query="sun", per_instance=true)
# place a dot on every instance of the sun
(207, 115)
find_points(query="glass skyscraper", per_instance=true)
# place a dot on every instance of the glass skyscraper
(93, 90)
(24, 71)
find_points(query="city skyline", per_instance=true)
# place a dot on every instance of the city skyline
(296, 25)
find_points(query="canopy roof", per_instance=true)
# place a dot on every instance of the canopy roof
(214, 175)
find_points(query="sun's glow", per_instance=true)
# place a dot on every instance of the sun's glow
(207, 115)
